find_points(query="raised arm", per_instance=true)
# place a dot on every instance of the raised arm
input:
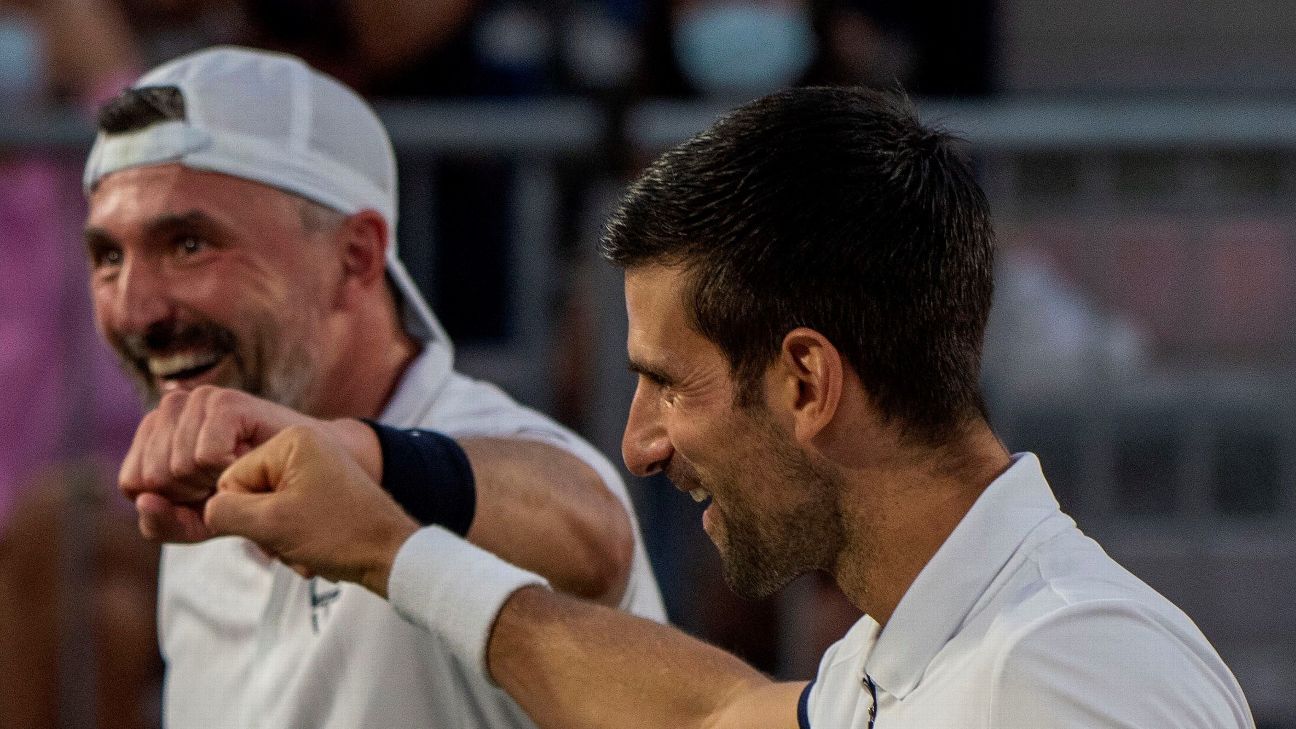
(536, 504)
(542, 508)
(569, 663)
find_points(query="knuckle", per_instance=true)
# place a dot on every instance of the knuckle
(208, 454)
(205, 459)
(150, 528)
(153, 481)
(218, 397)
(224, 399)
(172, 401)
(178, 464)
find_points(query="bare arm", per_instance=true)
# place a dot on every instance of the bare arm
(538, 506)
(569, 663)
(546, 510)
(572, 664)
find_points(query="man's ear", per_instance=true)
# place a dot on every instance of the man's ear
(811, 373)
(364, 241)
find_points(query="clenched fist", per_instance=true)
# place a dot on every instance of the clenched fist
(308, 503)
(182, 447)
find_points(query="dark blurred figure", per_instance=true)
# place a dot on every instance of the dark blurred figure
(744, 48)
(76, 584)
(409, 49)
(412, 50)
(77, 601)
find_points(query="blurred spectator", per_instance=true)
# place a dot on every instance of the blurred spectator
(413, 50)
(77, 583)
(63, 395)
(744, 48)
(1046, 338)
(77, 589)
(74, 601)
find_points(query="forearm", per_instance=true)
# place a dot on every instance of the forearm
(570, 663)
(573, 665)
(546, 510)
(529, 502)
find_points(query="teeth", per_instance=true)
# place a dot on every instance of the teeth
(699, 495)
(171, 364)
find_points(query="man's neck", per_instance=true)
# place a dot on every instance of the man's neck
(901, 511)
(363, 378)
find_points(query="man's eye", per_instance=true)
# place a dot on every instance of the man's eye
(190, 245)
(106, 257)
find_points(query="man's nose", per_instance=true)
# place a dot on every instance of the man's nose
(645, 445)
(140, 297)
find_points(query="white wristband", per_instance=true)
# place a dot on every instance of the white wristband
(454, 590)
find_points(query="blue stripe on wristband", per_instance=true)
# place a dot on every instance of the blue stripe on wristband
(429, 475)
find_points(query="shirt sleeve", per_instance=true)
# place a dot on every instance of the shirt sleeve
(1112, 663)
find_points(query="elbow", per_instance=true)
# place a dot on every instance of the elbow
(611, 556)
(612, 577)
(610, 550)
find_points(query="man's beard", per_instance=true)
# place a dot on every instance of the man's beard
(762, 552)
(286, 387)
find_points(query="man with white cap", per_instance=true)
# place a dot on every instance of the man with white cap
(242, 209)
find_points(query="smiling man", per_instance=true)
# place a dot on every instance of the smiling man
(242, 210)
(807, 284)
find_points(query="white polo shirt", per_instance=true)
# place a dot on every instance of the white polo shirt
(249, 644)
(1020, 621)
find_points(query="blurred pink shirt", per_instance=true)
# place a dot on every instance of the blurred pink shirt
(62, 394)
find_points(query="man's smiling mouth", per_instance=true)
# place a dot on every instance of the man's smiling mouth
(183, 365)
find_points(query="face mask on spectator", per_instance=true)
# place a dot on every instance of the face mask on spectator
(20, 56)
(741, 49)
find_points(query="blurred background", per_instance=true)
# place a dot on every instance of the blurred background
(1140, 156)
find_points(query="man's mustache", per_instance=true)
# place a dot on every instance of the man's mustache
(171, 336)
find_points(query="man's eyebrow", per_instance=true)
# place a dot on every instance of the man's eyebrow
(98, 239)
(182, 221)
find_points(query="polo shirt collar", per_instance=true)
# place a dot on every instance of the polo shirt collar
(419, 386)
(947, 589)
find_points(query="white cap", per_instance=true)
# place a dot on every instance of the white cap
(270, 118)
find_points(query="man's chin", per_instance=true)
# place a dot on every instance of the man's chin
(751, 572)
(753, 584)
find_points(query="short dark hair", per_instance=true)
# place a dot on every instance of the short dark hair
(139, 108)
(834, 209)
